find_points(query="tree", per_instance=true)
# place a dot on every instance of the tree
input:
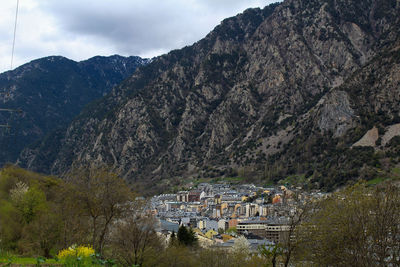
(11, 225)
(289, 244)
(186, 236)
(240, 251)
(215, 257)
(104, 197)
(232, 230)
(134, 237)
(42, 234)
(22, 204)
(175, 256)
(241, 245)
(359, 226)
(271, 253)
(28, 218)
(31, 203)
(283, 251)
(73, 215)
(172, 239)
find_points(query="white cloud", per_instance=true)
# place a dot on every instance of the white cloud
(79, 29)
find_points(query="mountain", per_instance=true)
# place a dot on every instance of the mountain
(48, 92)
(280, 93)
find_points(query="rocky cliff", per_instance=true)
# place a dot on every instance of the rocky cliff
(279, 91)
(47, 93)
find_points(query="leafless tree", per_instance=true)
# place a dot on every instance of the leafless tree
(134, 237)
(104, 197)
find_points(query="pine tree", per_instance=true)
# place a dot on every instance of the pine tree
(186, 237)
(172, 240)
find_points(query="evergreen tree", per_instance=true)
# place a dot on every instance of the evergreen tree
(192, 237)
(186, 237)
(172, 239)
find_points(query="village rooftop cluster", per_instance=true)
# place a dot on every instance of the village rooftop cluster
(220, 212)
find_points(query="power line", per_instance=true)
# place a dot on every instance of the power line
(7, 126)
(11, 110)
(15, 32)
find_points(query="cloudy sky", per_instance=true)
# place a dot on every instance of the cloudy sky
(80, 29)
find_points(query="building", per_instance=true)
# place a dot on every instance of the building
(211, 225)
(217, 199)
(273, 230)
(276, 232)
(256, 227)
(251, 210)
(216, 211)
(195, 195)
(182, 196)
(232, 223)
(223, 224)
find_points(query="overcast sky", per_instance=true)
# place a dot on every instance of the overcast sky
(80, 29)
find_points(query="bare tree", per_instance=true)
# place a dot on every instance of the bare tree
(43, 234)
(104, 197)
(133, 237)
(283, 251)
(384, 226)
(300, 211)
(75, 224)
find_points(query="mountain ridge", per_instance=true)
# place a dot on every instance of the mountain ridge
(50, 91)
(240, 97)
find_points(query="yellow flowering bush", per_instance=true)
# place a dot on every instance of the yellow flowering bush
(74, 251)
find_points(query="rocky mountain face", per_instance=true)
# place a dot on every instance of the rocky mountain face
(47, 93)
(274, 93)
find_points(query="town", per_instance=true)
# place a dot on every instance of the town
(218, 213)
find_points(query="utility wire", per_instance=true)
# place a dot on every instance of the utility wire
(15, 31)
(11, 65)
